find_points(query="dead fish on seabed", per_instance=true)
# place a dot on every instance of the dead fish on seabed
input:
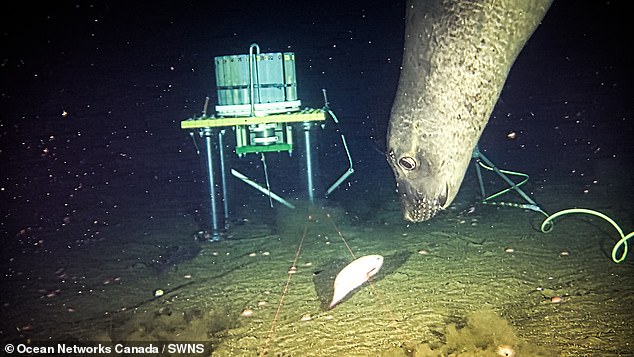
(353, 275)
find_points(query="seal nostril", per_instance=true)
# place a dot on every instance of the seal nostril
(442, 199)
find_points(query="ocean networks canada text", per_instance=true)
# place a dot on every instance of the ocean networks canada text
(63, 348)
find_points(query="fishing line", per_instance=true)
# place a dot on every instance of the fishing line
(341, 236)
(384, 305)
(291, 271)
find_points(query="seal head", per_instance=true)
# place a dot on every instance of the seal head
(456, 59)
(423, 191)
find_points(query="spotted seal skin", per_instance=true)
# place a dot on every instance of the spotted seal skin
(457, 56)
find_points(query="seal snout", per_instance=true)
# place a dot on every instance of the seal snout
(419, 206)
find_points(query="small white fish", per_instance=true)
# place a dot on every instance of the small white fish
(353, 275)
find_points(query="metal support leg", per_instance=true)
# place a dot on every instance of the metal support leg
(223, 178)
(350, 170)
(215, 225)
(531, 205)
(309, 164)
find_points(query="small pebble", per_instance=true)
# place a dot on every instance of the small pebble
(555, 299)
(306, 317)
(509, 250)
(247, 313)
(564, 253)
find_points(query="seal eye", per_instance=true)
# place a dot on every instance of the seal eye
(407, 163)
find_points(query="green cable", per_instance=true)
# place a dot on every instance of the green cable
(622, 242)
(547, 225)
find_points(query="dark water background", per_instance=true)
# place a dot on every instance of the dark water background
(93, 94)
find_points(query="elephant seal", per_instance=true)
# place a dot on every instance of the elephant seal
(456, 58)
